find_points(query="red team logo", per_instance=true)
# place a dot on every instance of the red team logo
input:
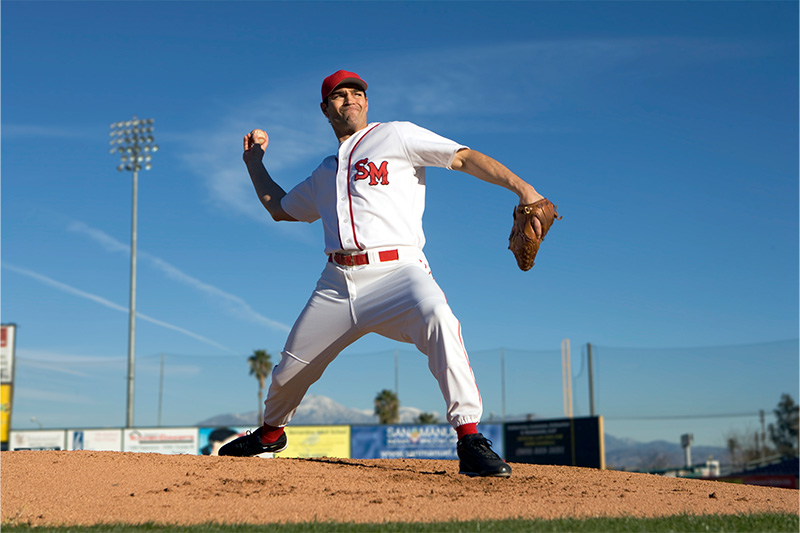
(377, 175)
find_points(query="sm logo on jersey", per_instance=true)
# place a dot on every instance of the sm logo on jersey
(377, 175)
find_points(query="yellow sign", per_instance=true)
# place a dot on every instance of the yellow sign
(317, 441)
(5, 411)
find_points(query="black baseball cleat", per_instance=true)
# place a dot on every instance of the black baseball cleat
(250, 444)
(476, 458)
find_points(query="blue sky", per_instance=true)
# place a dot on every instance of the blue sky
(667, 133)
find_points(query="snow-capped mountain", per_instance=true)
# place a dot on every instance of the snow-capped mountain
(315, 410)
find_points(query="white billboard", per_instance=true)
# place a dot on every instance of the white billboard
(7, 334)
(98, 440)
(160, 440)
(38, 440)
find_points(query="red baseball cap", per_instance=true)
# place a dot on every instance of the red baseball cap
(338, 78)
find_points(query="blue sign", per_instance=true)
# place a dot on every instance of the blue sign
(77, 440)
(421, 441)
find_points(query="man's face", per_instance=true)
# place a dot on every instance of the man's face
(346, 108)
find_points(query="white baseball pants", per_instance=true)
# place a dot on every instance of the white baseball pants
(397, 299)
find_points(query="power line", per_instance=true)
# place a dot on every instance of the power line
(682, 417)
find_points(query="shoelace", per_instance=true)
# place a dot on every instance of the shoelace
(484, 447)
(247, 434)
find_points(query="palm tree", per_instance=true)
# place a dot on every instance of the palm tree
(427, 418)
(387, 407)
(260, 367)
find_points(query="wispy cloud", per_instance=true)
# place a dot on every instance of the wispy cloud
(299, 139)
(74, 366)
(47, 132)
(457, 90)
(42, 395)
(232, 304)
(55, 363)
(488, 82)
(106, 303)
(105, 240)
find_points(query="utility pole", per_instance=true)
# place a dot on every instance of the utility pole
(396, 377)
(591, 378)
(566, 377)
(161, 390)
(503, 380)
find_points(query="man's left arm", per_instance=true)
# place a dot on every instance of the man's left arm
(490, 170)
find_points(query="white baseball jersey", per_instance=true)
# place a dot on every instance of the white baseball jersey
(372, 195)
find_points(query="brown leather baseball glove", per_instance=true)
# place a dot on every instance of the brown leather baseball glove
(531, 224)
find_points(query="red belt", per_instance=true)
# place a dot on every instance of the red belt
(362, 259)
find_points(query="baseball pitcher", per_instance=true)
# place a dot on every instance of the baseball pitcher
(370, 196)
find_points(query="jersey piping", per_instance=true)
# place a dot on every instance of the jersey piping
(349, 185)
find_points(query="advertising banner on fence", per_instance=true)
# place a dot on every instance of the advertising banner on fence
(317, 441)
(7, 344)
(5, 412)
(160, 440)
(422, 441)
(565, 441)
(210, 440)
(7, 335)
(98, 440)
(37, 440)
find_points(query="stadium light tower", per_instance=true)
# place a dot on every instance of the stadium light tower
(133, 141)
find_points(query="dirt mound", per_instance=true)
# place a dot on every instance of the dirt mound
(85, 488)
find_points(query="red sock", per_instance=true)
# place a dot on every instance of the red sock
(466, 429)
(270, 434)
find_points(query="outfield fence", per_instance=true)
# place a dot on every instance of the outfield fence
(644, 394)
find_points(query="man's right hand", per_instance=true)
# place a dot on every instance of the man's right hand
(255, 144)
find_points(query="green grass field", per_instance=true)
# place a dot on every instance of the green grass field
(761, 523)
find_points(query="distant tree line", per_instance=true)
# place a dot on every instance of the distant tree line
(387, 408)
(745, 447)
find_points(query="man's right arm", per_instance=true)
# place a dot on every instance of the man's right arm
(269, 192)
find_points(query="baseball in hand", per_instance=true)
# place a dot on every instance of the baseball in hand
(260, 137)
